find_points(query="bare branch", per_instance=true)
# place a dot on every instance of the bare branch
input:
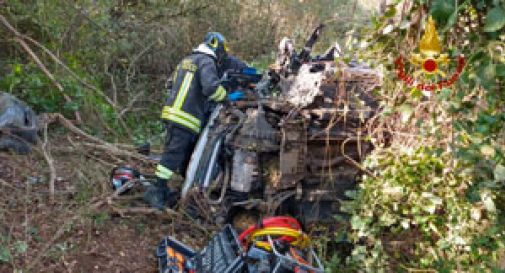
(72, 73)
(103, 145)
(24, 45)
(50, 163)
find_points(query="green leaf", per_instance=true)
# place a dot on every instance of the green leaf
(434, 199)
(488, 201)
(500, 70)
(20, 247)
(499, 173)
(351, 194)
(483, 128)
(487, 75)
(71, 106)
(487, 150)
(495, 19)
(416, 93)
(357, 223)
(5, 255)
(451, 20)
(390, 12)
(444, 94)
(17, 68)
(406, 112)
(386, 219)
(430, 208)
(387, 111)
(396, 193)
(441, 10)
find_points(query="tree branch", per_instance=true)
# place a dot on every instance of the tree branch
(72, 73)
(19, 39)
(50, 163)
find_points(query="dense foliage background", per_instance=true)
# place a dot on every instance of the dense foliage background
(433, 196)
(433, 199)
(115, 55)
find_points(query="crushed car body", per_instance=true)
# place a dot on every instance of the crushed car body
(290, 147)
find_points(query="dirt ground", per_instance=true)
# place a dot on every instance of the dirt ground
(74, 233)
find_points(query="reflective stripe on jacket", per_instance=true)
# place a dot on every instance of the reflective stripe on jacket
(195, 81)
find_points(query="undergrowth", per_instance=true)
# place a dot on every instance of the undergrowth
(432, 201)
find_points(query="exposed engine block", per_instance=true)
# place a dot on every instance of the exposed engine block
(244, 171)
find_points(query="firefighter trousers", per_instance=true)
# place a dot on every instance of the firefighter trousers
(179, 145)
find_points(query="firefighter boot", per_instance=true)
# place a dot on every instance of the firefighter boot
(160, 195)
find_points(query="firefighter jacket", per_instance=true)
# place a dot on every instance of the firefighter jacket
(194, 82)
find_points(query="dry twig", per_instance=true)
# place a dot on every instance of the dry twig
(50, 163)
(142, 210)
(3, 182)
(359, 166)
(103, 145)
(72, 73)
(87, 154)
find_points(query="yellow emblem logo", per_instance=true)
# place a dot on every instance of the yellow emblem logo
(429, 61)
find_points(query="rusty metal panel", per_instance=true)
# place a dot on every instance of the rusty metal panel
(292, 154)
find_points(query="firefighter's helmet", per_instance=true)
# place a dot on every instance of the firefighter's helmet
(217, 43)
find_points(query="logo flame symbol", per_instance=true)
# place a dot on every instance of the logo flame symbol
(430, 43)
(428, 63)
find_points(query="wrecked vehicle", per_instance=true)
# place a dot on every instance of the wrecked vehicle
(291, 147)
(18, 125)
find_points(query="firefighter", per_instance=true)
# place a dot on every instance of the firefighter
(194, 83)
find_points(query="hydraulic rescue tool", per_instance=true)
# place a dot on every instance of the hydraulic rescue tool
(274, 245)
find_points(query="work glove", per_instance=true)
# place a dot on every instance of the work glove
(236, 95)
